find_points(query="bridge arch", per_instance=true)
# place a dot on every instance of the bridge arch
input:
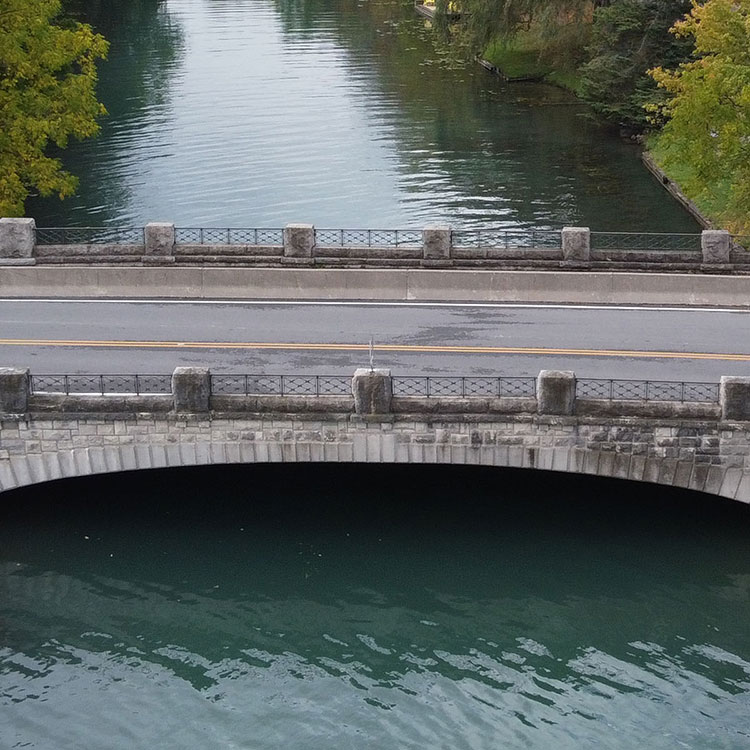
(355, 443)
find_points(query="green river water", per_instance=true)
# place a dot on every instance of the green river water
(350, 607)
(252, 113)
(372, 607)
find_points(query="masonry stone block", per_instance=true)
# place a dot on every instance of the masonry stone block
(743, 490)
(191, 389)
(159, 239)
(436, 242)
(19, 466)
(17, 240)
(576, 244)
(14, 390)
(372, 391)
(734, 398)
(715, 245)
(556, 392)
(7, 479)
(299, 240)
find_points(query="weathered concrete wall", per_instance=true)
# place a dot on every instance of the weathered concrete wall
(584, 287)
(710, 456)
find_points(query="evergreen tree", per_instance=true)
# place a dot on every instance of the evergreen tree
(627, 38)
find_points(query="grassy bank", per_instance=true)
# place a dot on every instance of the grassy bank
(711, 200)
(519, 58)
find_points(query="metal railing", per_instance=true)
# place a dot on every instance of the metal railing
(281, 385)
(368, 237)
(646, 390)
(645, 241)
(464, 387)
(229, 236)
(102, 385)
(341, 385)
(511, 238)
(90, 236)
(461, 238)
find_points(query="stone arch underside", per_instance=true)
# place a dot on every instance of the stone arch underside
(370, 447)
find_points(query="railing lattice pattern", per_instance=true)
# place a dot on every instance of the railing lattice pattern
(90, 236)
(645, 241)
(102, 384)
(281, 385)
(646, 390)
(463, 387)
(215, 236)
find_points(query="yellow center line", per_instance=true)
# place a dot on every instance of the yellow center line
(408, 348)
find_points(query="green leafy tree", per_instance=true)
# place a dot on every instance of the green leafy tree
(47, 96)
(707, 132)
(627, 38)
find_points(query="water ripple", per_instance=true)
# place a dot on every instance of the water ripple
(253, 113)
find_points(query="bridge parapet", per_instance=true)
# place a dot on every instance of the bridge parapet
(161, 243)
(371, 392)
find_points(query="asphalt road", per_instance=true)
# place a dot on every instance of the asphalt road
(331, 338)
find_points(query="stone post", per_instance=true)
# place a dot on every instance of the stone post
(436, 243)
(372, 391)
(734, 398)
(556, 392)
(715, 245)
(14, 390)
(17, 240)
(191, 389)
(159, 242)
(299, 240)
(576, 244)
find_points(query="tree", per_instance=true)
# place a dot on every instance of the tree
(47, 95)
(627, 38)
(707, 130)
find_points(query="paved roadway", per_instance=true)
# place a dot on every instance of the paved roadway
(58, 337)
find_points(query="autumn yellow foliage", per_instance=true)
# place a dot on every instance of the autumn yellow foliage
(47, 96)
(707, 114)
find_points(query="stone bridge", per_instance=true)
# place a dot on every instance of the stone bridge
(303, 245)
(701, 445)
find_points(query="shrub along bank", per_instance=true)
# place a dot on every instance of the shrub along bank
(673, 72)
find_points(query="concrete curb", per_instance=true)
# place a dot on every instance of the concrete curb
(584, 287)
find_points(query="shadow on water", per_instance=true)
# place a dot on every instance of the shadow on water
(135, 86)
(320, 530)
(545, 607)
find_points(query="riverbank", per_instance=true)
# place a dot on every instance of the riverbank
(709, 205)
(674, 189)
(519, 60)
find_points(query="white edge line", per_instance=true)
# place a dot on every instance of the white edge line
(355, 303)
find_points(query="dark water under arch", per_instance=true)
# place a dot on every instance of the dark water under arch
(334, 606)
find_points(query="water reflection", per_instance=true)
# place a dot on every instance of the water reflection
(135, 85)
(252, 113)
(259, 609)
